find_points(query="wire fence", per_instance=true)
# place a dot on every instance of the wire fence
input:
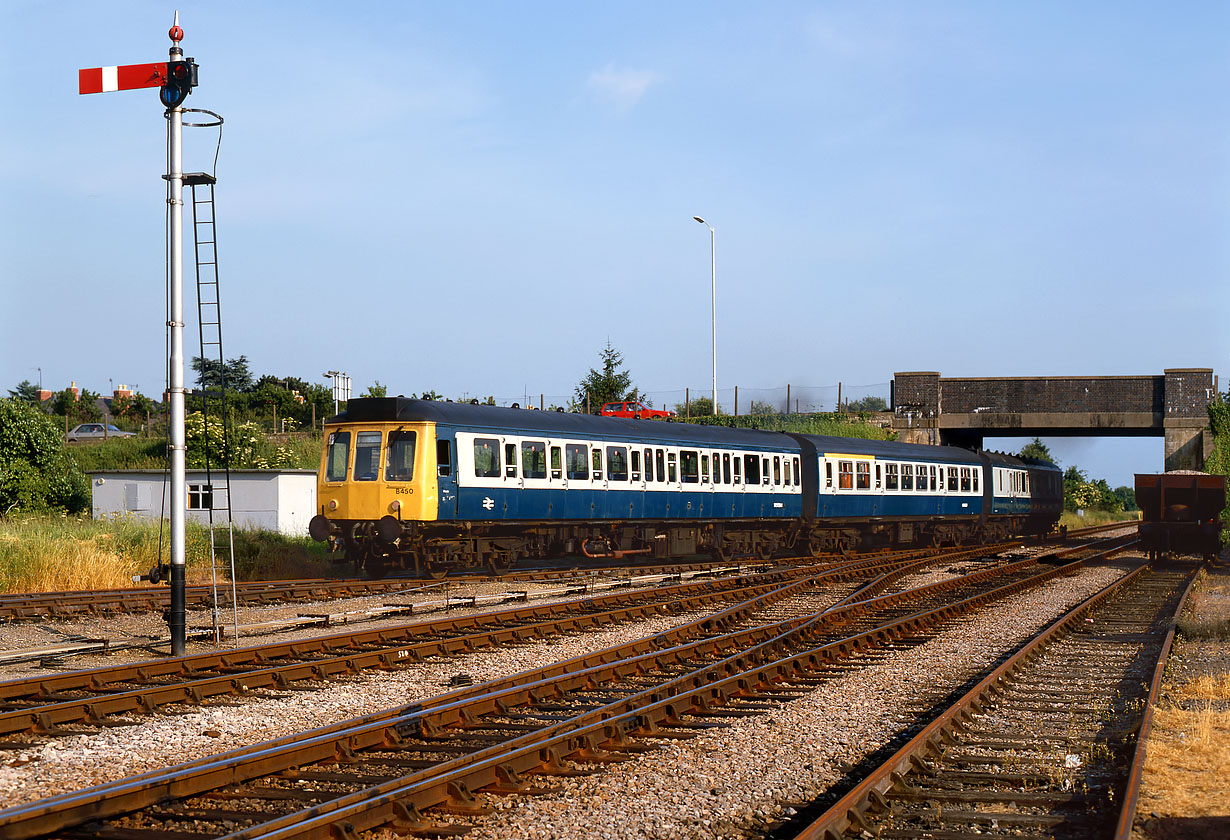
(737, 400)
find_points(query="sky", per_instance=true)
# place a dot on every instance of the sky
(474, 198)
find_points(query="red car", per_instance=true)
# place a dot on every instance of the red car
(637, 410)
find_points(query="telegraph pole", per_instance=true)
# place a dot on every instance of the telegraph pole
(175, 79)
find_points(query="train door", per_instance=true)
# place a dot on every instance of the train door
(446, 476)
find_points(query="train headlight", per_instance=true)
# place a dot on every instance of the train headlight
(395, 506)
(332, 504)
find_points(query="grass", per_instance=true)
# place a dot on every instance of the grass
(1096, 517)
(63, 553)
(1188, 752)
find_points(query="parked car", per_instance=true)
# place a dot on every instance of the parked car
(95, 431)
(633, 409)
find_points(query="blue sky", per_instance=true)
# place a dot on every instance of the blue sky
(474, 197)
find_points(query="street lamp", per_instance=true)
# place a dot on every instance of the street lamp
(341, 386)
(713, 289)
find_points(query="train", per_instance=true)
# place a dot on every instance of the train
(439, 487)
(1181, 513)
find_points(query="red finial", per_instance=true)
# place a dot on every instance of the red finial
(175, 33)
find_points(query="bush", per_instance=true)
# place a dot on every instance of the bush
(36, 471)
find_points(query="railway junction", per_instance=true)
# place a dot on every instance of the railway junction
(886, 693)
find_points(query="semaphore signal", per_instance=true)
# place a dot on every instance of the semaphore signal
(175, 79)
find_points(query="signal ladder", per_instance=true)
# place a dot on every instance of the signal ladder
(209, 319)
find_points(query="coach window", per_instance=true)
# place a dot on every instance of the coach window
(845, 475)
(878, 484)
(798, 479)
(890, 476)
(617, 463)
(670, 467)
(777, 470)
(339, 454)
(557, 462)
(952, 480)
(510, 460)
(965, 480)
(704, 468)
(597, 463)
(751, 469)
(976, 480)
(687, 466)
(636, 465)
(725, 468)
(660, 460)
(399, 458)
(764, 471)
(577, 461)
(486, 458)
(367, 456)
(828, 473)
(907, 476)
(444, 458)
(738, 468)
(934, 486)
(863, 475)
(533, 459)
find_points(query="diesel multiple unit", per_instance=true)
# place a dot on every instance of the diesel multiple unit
(438, 487)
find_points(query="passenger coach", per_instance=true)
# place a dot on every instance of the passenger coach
(439, 486)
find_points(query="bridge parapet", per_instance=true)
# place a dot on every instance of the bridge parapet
(928, 408)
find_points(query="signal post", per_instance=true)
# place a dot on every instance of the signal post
(175, 79)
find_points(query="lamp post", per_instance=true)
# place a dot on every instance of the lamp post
(713, 300)
(341, 386)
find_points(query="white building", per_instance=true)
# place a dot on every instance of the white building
(271, 500)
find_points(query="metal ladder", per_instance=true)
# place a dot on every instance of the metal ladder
(209, 319)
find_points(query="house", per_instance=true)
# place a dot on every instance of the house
(272, 500)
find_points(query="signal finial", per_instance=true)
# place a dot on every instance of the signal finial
(175, 33)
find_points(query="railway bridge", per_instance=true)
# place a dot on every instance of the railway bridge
(929, 408)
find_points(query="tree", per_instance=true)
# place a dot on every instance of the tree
(695, 407)
(1127, 498)
(759, 408)
(611, 384)
(1036, 450)
(210, 374)
(376, 390)
(78, 408)
(36, 471)
(26, 391)
(868, 404)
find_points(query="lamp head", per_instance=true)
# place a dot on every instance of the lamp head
(699, 219)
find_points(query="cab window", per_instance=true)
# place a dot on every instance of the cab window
(533, 459)
(486, 458)
(339, 455)
(367, 456)
(399, 459)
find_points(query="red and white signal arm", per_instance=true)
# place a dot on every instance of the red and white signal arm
(123, 77)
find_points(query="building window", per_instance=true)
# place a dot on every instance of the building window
(200, 497)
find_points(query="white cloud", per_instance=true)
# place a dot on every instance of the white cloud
(623, 88)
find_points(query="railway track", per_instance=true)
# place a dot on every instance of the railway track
(47, 703)
(388, 769)
(1046, 745)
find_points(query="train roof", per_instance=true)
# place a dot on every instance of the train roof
(562, 424)
(891, 449)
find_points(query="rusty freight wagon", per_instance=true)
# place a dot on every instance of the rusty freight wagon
(1181, 512)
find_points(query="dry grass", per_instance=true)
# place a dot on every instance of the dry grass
(1188, 764)
(1188, 758)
